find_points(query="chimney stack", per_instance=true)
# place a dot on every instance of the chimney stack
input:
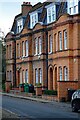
(26, 7)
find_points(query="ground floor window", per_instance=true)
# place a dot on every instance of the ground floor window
(36, 75)
(40, 75)
(60, 73)
(65, 73)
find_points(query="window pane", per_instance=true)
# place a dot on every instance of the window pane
(23, 49)
(60, 74)
(60, 40)
(36, 44)
(40, 45)
(26, 76)
(36, 75)
(49, 15)
(21, 77)
(40, 73)
(65, 39)
(65, 73)
(26, 48)
(50, 44)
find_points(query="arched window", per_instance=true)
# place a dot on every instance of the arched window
(65, 73)
(40, 75)
(60, 73)
(40, 45)
(36, 75)
(26, 48)
(26, 76)
(60, 40)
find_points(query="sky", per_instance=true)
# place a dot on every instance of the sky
(8, 10)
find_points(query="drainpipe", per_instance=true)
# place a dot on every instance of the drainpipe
(47, 58)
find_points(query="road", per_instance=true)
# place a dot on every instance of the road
(32, 109)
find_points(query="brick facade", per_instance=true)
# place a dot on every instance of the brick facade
(50, 63)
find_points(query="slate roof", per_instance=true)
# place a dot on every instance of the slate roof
(43, 15)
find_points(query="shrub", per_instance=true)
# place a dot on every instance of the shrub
(50, 92)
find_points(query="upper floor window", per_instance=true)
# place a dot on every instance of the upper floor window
(40, 45)
(65, 39)
(23, 49)
(26, 48)
(19, 25)
(33, 19)
(36, 46)
(17, 50)
(10, 54)
(65, 73)
(50, 44)
(51, 13)
(72, 7)
(60, 40)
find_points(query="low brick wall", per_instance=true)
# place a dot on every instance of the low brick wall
(7, 86)
(50, 97)
(63, 87)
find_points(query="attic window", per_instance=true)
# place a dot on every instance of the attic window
(33, 19)
(51, 13)
(73, 7)
(19, 25)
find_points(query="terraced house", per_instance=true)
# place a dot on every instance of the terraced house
(43, 46)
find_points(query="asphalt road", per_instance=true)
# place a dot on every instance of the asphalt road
(32, 109)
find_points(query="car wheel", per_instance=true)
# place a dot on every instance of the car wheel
(74, 109)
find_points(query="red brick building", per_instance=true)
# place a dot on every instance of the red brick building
(43, 46)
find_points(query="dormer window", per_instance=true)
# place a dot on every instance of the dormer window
(72, 7)
(19, 25)
(51, 13)
(33, 19)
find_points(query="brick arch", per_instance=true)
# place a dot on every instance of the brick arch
(50, 77)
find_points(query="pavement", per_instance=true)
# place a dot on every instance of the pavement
(9, 114)
(37, 99)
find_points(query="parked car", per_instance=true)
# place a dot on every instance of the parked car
(75, 101)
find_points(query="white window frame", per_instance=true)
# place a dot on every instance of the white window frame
(36, 46)
(71, 7)
(60, 73)
(33, 19)
(51, 11)
(40, 75)
(49, 15)
(50, 44)
(65, 73)
(23, 48)
(10, 55)
(26, 48)
(19, 25)
(36, 76)
(40, 45)
(60, 40)
(65, 39)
